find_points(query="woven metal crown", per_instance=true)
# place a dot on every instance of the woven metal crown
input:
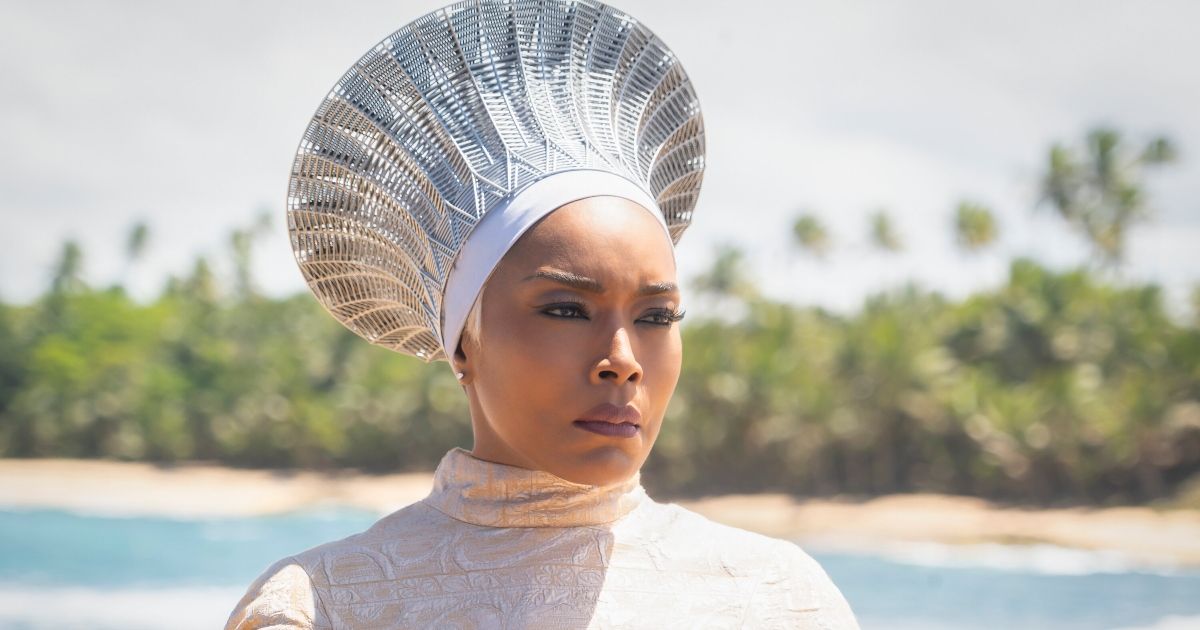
(453, 113)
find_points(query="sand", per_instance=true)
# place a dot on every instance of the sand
(1159, 538)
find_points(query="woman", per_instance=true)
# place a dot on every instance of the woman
(501, 185)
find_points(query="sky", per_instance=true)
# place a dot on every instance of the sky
(187, 115)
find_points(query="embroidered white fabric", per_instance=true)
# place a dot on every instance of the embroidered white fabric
(496, 546)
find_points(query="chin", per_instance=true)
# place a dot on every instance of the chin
(601, 467)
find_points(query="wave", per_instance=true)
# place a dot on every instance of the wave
(1041, 559)
(71, 607)
(206, 607)
(1172, 622)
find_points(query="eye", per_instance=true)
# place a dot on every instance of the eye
(666, 316)
(566, 307)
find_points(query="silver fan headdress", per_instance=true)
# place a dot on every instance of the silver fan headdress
(485, 109)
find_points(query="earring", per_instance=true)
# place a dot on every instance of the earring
(458, 375)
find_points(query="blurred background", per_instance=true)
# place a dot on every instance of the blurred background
(943, 250)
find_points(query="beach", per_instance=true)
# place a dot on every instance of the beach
(895, 524)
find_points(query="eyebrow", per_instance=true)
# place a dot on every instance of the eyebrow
(587, 284)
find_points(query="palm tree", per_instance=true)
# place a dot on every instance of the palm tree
(135, 247)
(883, 232)
(68, 270)
(810, 234)
(1100, 193)
(974, 226)
(1196, 305)
(242, 242)
(201, 285)
(727, 278)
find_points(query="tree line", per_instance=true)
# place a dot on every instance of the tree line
(1056, 386)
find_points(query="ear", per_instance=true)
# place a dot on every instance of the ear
(460, 363)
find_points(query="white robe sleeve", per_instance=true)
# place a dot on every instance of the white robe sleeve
(282, 598)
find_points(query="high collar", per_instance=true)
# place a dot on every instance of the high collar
(487, 493)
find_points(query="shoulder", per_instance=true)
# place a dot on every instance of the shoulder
(792, 588)
(798, 593)
(288, 594)
(280, 598)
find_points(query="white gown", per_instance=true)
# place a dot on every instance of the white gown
(496, 546)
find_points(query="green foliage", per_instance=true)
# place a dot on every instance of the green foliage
(974, 226)
(810, 234)
(727, 278)
(1098, 189)
(1057, 386)
(250, 382)
(1053, 387)
(883, 232)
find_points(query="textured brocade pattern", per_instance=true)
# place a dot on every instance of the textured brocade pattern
(496, 546)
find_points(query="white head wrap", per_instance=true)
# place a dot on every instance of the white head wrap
(435, 152)
(504, 225)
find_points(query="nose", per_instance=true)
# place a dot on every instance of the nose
(619, 364)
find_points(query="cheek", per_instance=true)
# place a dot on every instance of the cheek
(540, 346)
(663, 365)
(527, 366)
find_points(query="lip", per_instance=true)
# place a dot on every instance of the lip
(608, 412)
(611, 420)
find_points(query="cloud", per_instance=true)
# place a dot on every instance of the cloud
(188, 114)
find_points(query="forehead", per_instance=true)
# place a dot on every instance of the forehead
(607, 236)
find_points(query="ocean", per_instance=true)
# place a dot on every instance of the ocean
(64, 570)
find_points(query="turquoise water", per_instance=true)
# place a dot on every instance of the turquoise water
(65, 570)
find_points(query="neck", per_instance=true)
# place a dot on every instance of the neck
(487, 493)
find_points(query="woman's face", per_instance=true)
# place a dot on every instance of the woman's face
(576, 315)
